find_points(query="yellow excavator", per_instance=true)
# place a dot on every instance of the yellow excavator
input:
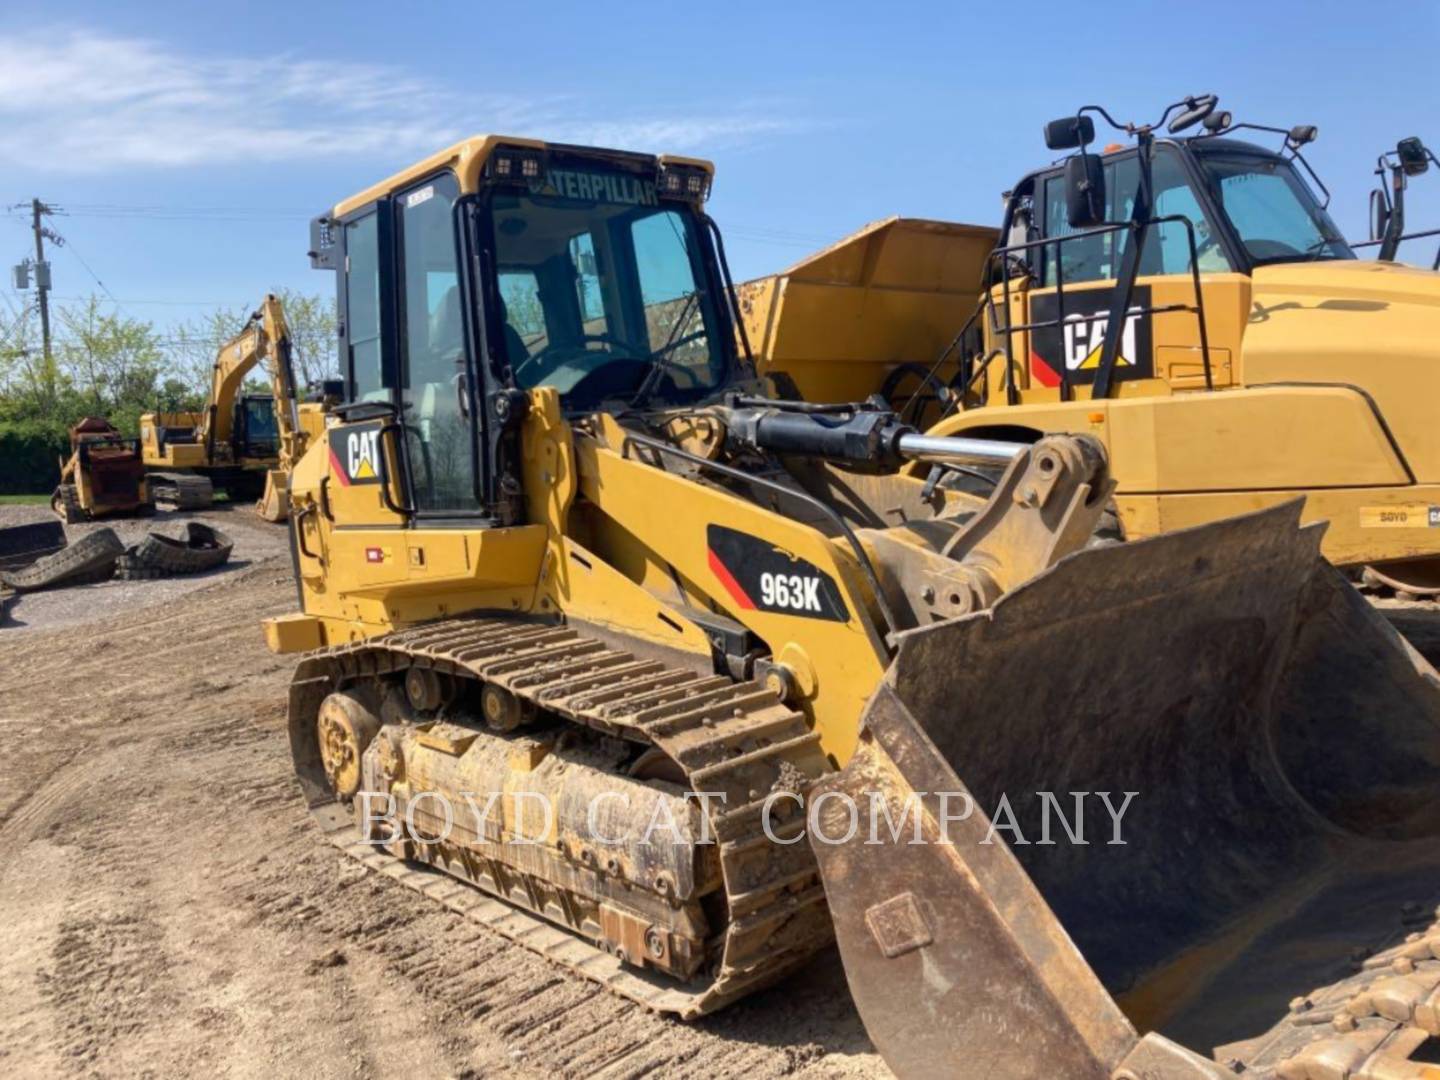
(243, 443)
(613, 652)
(1183, 296)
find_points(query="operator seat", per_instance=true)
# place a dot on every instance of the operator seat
(446, 331)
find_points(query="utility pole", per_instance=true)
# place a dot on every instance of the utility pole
(42, 272)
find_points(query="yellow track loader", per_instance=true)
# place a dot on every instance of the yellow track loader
(607, 650)
(243, 443)
(1183, 297)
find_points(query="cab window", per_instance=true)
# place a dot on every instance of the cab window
(434, 391)
(362, 307)
(262, 431)
(523, 312)
(605, 292)
(667, 291)
(1167, 249)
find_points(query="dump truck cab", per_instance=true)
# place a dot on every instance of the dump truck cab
(1239, 206)
(1189, 301)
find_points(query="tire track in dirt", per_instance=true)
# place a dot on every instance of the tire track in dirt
(35, 811)
(207, 913)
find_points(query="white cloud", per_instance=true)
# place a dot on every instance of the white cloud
(85, 102)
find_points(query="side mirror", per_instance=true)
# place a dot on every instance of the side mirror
(1069, 133)
(1414, 159)
(1379, 214)
(1197, 109)
(1084, 191)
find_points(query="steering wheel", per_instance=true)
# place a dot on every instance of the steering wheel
(573, 346)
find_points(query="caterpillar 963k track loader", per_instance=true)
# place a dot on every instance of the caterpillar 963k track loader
(566, 574)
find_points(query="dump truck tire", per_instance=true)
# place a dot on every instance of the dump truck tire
(91, 558)
(198, 548)
(66, 504)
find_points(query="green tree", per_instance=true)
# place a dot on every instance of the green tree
(112, 361)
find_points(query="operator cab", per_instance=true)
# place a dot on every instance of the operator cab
(1249, 207)
(503, 265)
(1072, 310)
(257, 433)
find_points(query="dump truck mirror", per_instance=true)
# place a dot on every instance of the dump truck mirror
(1069, 133)
(1414, 158)
(1084, 191)
(1379, 214)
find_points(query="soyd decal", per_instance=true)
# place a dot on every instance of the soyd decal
(355, 454)
(1072, 350)
(761, 577)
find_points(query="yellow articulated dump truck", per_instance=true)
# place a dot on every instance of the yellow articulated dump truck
(1184, 297)
(604, 646)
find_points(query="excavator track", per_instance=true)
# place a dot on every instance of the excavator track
(728, 737)
(181, 491)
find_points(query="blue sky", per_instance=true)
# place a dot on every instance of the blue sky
(192, 141)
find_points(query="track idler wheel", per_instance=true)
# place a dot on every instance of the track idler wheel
(502, 710)
(344, 727)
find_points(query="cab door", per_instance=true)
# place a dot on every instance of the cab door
(1161, 339)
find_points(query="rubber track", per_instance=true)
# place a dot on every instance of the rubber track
(66, 504)
(735, 738)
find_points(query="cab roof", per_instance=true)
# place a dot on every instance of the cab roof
(467, 158)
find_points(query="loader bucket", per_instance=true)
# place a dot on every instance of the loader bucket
(1283, 745)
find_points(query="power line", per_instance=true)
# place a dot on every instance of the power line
(165, 303)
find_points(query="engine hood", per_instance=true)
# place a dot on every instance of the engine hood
(1373, 326)
(1349, 279)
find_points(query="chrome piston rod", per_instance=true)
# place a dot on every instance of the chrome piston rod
(972, 451)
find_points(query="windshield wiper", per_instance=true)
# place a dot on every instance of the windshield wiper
(651, 380)
(1314, 250)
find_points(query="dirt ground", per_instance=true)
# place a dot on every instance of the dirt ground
(168, 909)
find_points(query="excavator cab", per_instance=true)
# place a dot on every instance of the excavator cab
(256, 431)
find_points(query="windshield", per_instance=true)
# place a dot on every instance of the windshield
(604, 290)
(260, 425)
(1271, 210)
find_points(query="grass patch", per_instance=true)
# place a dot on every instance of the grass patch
(24, 500)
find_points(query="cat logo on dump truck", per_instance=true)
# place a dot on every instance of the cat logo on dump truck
(355, 454)
(1072, 350)
(760, 577)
